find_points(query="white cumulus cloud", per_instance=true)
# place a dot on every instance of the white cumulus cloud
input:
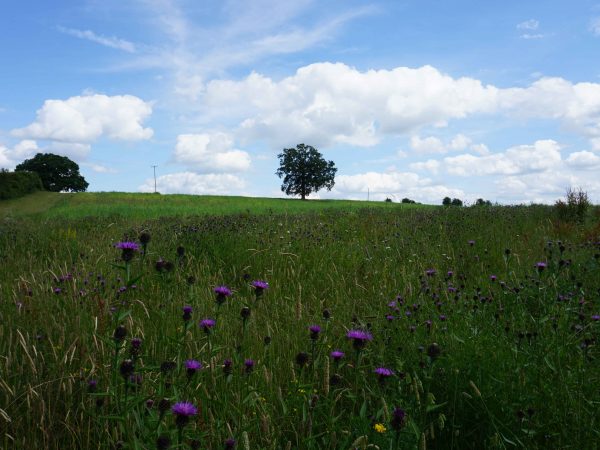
(210, 153)
(193, 183)
(83, 119)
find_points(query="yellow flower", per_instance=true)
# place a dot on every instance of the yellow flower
(380, 428)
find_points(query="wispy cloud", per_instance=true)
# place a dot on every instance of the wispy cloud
(112, 42)
(530, 24)
(595, 26)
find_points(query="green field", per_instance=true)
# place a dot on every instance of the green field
(487, 348)
(149, 206)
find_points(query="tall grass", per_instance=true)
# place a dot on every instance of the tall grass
(488, 348)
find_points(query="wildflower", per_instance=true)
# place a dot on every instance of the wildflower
(380, 428)
(326, 314)
(136, 344)
(245, 313)
(471, 243)
(144, 238)
(430, 272)
(128, 250)
(359, 338)
(259, 287)
(398, 419)
(126, 368)
(92, 384)
(192, 366)
(222, 293)
(187, 313)
(249, 365)
(57, 290)
(207, 324)
(183, 411)
(433, 351)
(540, 266)
(120, 333)
(163, 406)
(302, 359)
(383, 373)
(227, 366)
(314, 332)
(337, 355)
(229, 444)
(493, 278)
(596, 317)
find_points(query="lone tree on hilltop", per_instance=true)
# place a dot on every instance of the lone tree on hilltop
(58, 173)
(304, 171)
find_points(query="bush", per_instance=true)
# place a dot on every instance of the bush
(456, 202)
(575, 206)
(388, 200)
(407, 200)
(482, 202)
(447, 201)
(18, 184)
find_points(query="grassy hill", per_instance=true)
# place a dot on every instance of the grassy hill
(147, 206)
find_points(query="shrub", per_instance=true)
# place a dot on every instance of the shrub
(388, 200)
(18, 184)
(456, 202)
(407, 200)
(574, 207)
(447, 201)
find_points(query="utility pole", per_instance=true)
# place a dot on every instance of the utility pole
(154, 167)
(368, 193)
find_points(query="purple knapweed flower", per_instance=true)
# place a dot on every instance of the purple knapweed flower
(389, 318)
(187, 313)
(398, 419)
(207, 324)
(337, 355)
(229, 444)
(430, 272)
(442, 317)
(596, 317)
(359, 338)
(314, 332)
(471, 242)
(92, 384)
(540, 266)
(128, 249)
(383, 372)
(192, 366)
(493, 277)
(222, 293)
(183, 411)
(259, 287)
(249, 365)
(227, 366)
(57, 290)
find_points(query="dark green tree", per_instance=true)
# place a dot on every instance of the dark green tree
(447, 201)
(58, 173)
(304, 171)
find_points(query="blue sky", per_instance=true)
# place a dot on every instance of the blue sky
(418, 99)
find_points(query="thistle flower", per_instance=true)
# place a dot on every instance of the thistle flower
(144, 238)
(398, 419)
(183, 411)
(120, 334)
(187, 313)
(302, 359)
(207, 324)
(128, 250)
(430, 272)
(222, 293)
(314, 332)
(92, 384)
(337, 355)
(259, 287)
(245, 313)
(229, 444)
(540, 266)
(359, 338)
(136, 344)
(192, 366)
(126, 368)
(383, 373)
(249, 365)
(227, 366)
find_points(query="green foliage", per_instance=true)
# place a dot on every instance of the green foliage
(408, 201)
(482, 202)
(18, 184)
(58, 173)
(304, 171)
(456, 202)
(575, 206)
(516, 363)
(447, 201)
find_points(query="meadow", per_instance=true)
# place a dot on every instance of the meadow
(216, 323)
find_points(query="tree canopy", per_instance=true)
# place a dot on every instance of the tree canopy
(304, 171)
(58, 173)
